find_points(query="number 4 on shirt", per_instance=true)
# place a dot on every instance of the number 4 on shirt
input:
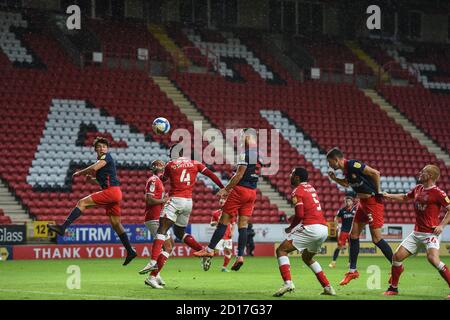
(185, 177)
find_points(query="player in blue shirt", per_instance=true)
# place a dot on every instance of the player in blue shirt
(346, 214)
(109, 198)
(366, 183)
(241, 196)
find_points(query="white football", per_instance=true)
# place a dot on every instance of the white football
(161, 125)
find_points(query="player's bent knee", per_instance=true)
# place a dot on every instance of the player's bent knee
(396, 257)
(281, 251)
(433, 258)
(179, 232)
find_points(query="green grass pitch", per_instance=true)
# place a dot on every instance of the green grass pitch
(258, 279)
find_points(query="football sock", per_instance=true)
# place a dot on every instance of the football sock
(191, 242)
(242, 241)
(160, 262)
(317, 269)
(226, 260)
(336, 254)
(285, 268)
(217, 235)
(445, 273)
(126, 242)
(157, 246)
(386, 249)
(73, 215)
(354, 252)
(396, 271)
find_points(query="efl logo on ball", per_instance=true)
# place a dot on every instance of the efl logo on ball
(161, 125)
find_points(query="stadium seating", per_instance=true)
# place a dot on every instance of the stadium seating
(4, 219)
(328, 114)
(123, 39)
(429, 111)
(65, 107)
(9, 43)
(383, 52)
(331, 55)
(63, 110)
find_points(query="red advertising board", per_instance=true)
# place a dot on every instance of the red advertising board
(98, 251)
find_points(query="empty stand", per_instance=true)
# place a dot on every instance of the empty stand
(429, 111)
(9, 43)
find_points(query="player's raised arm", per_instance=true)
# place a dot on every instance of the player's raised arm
(91, 179)
(95, 167)
(400, 197)
(342, 182)
(206, 172)
(240, 171)
(375, 175)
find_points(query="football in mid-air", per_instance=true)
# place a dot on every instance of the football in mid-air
(161, 125)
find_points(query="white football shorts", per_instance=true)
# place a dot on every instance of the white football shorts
(225, 244)
(416, 239)
(310, 237)
(178, 210)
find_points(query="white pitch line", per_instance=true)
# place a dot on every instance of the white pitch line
(70, 294)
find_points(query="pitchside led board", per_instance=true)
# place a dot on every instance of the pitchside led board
(95, 233)
(13, 234)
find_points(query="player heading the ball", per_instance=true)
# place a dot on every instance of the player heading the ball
(366, 182)
(241, 196)
(182, 174)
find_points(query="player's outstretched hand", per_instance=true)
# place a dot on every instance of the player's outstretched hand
(332, 175)
(166, 199)
(438, 230)
(222, 193)
(90, 178)
(379, 196)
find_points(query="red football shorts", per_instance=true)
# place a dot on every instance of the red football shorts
(342, 239)
(240, 201)
(370, 211)
(109, 199)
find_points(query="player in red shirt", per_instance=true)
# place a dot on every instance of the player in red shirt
(154, 202)
(307, 232)
(241, 196)
(226, 244)
(182, 174)
(428, 201)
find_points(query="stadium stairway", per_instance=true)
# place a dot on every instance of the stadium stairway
(353, 46)
(408, 126)
(11, 206)
(161, 35)
(193, 114)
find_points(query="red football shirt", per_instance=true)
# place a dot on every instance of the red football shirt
(216, 217)
(306, 196)
(182, 174)
(427, 204)
(155, 188)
